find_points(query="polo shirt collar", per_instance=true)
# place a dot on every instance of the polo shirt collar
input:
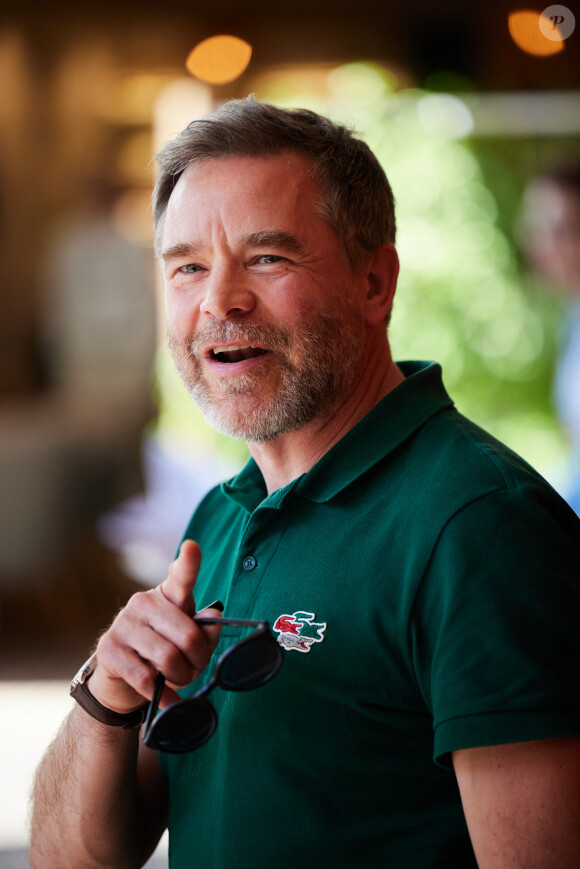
(394, 419)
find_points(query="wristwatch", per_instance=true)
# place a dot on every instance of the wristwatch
(80, 691)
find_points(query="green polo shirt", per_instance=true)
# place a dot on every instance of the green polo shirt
(423, 582)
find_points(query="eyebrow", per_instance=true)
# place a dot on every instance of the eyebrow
(181, 249)
(262, 239)
(274, 238)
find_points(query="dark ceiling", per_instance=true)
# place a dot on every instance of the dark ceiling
(470, 40)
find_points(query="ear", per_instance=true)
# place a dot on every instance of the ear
(381, 273)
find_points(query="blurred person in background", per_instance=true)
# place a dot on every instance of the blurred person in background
(550, 234)
(73, 451)
(421, 580)
(100, 340)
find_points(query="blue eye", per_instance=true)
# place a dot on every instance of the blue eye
(190, 268)
(270, 258)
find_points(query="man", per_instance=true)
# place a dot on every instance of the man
(550, 235)
(421, 579)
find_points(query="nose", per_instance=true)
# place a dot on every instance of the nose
(227, 294)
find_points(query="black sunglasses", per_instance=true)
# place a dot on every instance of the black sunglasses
(189, 723)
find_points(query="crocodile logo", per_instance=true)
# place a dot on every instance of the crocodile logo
(298, 632)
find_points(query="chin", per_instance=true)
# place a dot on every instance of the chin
(232, 415)
(253, 419)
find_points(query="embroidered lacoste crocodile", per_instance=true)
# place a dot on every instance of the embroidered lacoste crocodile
(298, 632)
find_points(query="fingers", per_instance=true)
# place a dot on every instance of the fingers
(166, 637)
(149, 635)
(212, 635)
(180, 582)
(212, 632)
(154, 633)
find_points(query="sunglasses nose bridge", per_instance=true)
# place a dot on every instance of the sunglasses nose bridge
(209, 685)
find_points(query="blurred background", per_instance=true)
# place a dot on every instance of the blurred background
(102, 456)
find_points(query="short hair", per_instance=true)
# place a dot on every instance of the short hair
(357, 200)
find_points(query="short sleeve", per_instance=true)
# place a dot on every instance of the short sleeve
(496, 626)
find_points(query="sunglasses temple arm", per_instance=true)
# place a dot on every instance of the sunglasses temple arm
(154, 704)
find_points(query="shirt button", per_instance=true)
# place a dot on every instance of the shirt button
(249, 562)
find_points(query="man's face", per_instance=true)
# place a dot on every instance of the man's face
(265, 321)
(552, 239)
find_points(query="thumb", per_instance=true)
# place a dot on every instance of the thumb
(182, 575)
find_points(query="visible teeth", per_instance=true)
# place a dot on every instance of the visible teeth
(231, 347)
(236, 352)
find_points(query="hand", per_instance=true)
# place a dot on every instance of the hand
(155, 633)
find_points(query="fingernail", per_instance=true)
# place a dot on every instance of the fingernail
(216, 605)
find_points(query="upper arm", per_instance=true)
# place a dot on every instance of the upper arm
(522, 803)
(153, 796)
(494, 626)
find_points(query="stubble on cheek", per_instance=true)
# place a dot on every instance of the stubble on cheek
(232, 403)
(188, 353)
(312, 369)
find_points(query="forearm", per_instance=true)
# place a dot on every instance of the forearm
(99, 800)
(86, 807)
(522, 803)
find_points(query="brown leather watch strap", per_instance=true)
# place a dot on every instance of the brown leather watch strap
(79, 690)
(101, 713)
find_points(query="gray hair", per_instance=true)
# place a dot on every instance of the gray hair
(357, 199)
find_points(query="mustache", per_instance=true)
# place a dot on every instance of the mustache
(230, 331)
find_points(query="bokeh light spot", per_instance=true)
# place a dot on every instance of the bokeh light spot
(524, 27)
(444, 116)
(219, 59)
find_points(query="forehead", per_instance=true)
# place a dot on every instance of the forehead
(288, 166)
(276, 188)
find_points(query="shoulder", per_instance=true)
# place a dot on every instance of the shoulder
(460, 464)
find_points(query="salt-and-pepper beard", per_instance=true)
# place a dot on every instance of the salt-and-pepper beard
(330, 351)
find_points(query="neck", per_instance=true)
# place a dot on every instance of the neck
(294, 453)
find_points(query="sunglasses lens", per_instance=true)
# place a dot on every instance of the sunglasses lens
(251, 664)
(183, 727)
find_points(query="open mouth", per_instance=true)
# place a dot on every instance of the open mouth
(236, 353)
